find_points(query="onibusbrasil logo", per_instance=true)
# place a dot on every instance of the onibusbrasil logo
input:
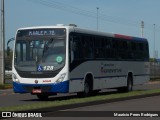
(21, 115)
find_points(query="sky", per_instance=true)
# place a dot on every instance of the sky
(115, 16)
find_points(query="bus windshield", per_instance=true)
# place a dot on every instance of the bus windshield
(40, 50)
(39, 54)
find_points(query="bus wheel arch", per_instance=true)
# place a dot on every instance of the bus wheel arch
(88, 86)
(129, 84)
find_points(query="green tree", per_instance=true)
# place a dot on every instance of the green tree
(8, 60)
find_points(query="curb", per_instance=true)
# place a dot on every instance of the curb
(47, 111)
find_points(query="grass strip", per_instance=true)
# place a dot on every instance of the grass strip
(46, 104)
(6, 86)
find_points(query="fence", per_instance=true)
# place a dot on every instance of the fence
(154, 70)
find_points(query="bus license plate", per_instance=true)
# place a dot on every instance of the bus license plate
(36, 91)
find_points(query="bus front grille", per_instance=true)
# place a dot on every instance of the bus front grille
(44, 89)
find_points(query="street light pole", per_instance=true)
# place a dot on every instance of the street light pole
(154, 50)
(97, 17)
(2, 53)
(154, 41)
(142, 29)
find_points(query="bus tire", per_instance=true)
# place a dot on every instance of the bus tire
(42, 96)
(129, 86)
(87, 89)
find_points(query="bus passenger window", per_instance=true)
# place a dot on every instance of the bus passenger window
(75, 48)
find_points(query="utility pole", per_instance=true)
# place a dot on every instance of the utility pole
(2, 52)
(97, 17)
(154, 37)
(154, 59)
(142, 29)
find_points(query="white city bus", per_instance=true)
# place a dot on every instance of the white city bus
(67, 59)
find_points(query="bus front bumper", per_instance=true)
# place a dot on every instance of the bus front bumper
(62, 87)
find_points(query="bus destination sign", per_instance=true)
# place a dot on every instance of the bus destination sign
(41, 32)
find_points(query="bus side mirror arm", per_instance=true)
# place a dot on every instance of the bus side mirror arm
(8, 51)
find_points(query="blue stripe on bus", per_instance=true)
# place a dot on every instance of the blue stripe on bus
(141, 39)
(110, 76)
(76, 78)
(62, 87)
(143, 75)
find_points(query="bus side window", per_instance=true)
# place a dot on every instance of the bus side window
(71, 51)
(146, 52)
(74, 46)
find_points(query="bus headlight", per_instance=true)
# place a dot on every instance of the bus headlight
(61, 78)
(15, 78)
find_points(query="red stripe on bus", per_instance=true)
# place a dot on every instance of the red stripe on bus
(123, 36)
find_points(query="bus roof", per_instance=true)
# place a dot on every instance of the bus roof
(109, 34)
(80, 30)
(129, 37)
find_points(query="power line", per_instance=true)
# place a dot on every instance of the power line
(91, 14)
(72, 9)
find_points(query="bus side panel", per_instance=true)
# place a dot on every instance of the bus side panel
(140, 80)
(76, 85)
(111, 82)
(108, 74)
(142, 74)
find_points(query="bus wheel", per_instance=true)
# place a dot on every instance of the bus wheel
(129, 86)
(87, 89)
(42, 96)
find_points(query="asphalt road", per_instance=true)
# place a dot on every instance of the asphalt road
(134, 108)
(142, 104)
(9, 98)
